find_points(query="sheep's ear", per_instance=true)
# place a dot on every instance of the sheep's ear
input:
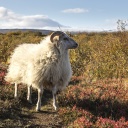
(57, 33)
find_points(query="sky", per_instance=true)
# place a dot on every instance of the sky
(81, 15)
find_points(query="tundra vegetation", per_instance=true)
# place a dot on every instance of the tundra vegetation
(97, 96)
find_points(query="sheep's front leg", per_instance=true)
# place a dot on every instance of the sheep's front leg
(55, 105)
(29, 94)
(40, 92)
(16, 91)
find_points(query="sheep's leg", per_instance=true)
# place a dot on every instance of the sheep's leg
(40, 92)
(16, 91)
(55, 105)
(29, 94)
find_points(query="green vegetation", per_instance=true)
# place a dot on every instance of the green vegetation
(98, 93)
(101, 55)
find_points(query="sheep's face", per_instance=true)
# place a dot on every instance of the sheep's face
(63, 41)
(68, 42)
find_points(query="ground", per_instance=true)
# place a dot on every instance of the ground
(19, 113)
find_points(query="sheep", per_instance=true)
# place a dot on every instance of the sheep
(42, 66)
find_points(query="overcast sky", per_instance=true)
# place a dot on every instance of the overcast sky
(66, 14)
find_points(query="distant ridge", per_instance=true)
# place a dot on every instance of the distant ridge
(44, 32)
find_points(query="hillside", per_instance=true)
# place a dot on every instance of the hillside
(44, 32)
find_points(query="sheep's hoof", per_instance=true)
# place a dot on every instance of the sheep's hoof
(56, 107)
(37, 110)
(29, 101)
(16, 97)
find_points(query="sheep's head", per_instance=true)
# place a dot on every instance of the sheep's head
(62, 40)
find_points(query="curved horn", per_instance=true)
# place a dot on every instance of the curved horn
(57, 33)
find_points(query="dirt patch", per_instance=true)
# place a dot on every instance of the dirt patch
(47, 119)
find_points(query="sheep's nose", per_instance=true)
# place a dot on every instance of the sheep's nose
(76, 45)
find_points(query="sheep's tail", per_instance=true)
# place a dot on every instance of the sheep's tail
(8, 78)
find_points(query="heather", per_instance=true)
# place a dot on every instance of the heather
(100, 104)
(97, 95)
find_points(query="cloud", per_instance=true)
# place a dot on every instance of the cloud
(75, 10)
(110, 23)
(9, 19)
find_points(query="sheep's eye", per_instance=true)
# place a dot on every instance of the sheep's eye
(65, 39)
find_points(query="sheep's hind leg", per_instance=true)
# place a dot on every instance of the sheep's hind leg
(55, 105)
(40, 92)
(16, 91)
(29, 94)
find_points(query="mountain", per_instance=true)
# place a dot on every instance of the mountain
(44, 32)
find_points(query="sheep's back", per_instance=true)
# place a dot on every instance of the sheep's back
(23, 53)
(20, 58)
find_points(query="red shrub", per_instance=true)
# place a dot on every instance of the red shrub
(3, 70)
(101, 104)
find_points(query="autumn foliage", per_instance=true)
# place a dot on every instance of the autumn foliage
(98, 93)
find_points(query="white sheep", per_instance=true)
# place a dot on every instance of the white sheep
(42, 66)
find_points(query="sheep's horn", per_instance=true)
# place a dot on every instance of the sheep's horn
(57, 33)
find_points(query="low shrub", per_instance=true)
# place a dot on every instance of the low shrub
(101, 104)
